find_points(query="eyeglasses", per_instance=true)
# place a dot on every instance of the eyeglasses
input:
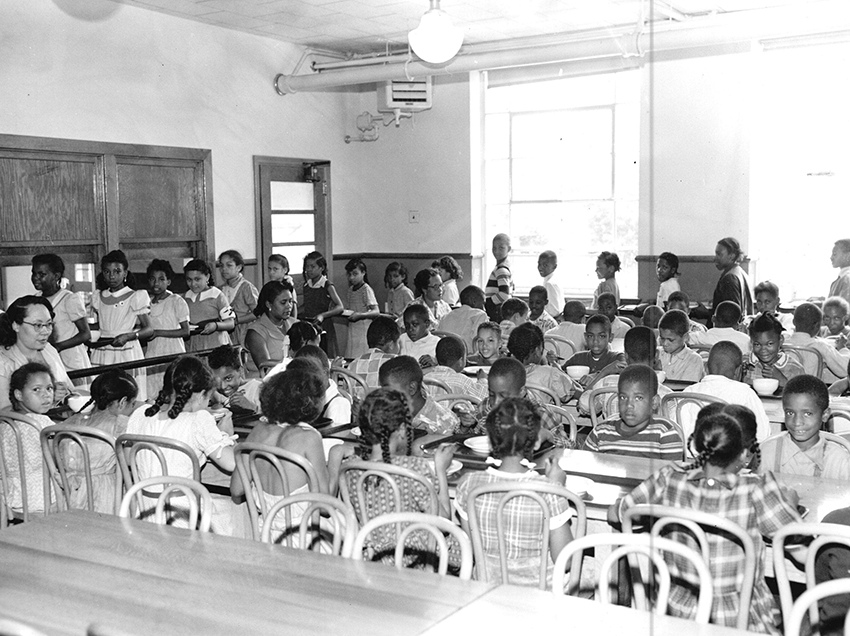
(434, 286)
(39, 326)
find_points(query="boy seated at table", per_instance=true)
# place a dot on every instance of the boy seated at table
(382, 337)
(678, 361)
(538, 298)
(681, 301)
(767, 359)
(404, 374)
(726, 320)
(599, 358)
(463, 321)
(572, 328)
(526, 345)
(233, 390)
(607, 303)
(488, 345)
(451, 360)
(514, 313)
(767, 301)
(802, 450)
(417, 341)
(835, 312)
(651, 317)
(641, 347)
(335, 405)
(808, 319)
(507, 379)
(634, 431)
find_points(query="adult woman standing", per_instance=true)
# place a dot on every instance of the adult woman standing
(733, 284)
(24, 332)
(266, 338)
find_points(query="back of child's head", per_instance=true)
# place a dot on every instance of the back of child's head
(671, 259)
(640, 345)
(524, 340)
(382, 413)
(727, 314)
(539, 290)
(746, 419)
(357, 263)
(417, 310)
(679, 298)
(675, 320)
(395, 268)
(510, 369)
(450, 350)
(319, 260)
(233, 255)
(281, 260)
(652, 316)
(610, 259)
(450, 265)
(160, 265)
(808, 385)
(473, 296)
(269, 292)
(640, 375)
(574, 311)
(20, 376)
(837, 302)
(423, 279)
(300, 333)
(765, 323)
(512, 307)
(598, 319)
(513, 428)
(808, 318)
(766, 286)
(198, 265)
(401, 370)
(295, 395)
(53, 262)
(724, 359)
(184, 377)
(717, 439)
(316, 354)
(111, 386)
(382, 331)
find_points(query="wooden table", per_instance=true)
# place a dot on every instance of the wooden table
(62, 573)
(517, 610)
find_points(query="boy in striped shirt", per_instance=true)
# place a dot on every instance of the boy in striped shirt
(633, 431)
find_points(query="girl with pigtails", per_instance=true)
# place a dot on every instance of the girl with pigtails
(180, 412)
(714, 482)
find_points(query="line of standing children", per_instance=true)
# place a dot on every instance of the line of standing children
(321, 302)
(363, 305)
(210, 315)
(240, 292)
(169, 319)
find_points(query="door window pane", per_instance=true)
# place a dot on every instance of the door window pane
(295, 255)
(293, 228)
(291, 195)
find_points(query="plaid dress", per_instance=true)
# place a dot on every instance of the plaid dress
(754, 502)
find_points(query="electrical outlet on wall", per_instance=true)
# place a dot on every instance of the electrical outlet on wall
(413, 216)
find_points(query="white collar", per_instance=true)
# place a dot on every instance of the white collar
(319, 283)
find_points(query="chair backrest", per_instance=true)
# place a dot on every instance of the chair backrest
(604, 400)
(808, 600)
(816, 536)
(376, 488)
(320, 515)
(248, 457)
(433, 386)
(19, 435)
(810, 359)
(409, 524)
(454, 398)
(683, 406)
(353, 384)
(66, 453)
(704, 528)
(562, 347)
(542, 393)
(643, 544)
(564, 419)
(195, 493)
(128, 447)
(840, 421)
(443, 334)
(507, 492)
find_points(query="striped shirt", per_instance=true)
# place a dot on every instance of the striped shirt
(500, 287)
(659, 440)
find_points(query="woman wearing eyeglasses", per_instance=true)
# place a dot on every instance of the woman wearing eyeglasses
(25, 329)
(428, 289)
(266, 338)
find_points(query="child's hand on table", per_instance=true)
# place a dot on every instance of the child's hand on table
(427, 361)
(225, 424)
(552, 465)
(443, 457)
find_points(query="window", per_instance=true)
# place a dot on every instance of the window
(561, 173)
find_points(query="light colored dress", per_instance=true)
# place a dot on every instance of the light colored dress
(33, 464)
(450, 293)
(210, 304)
(67, 307)
(12, 358)
(117, 313)
(359, 300)
(104, 467)
(277, 342)
(165, 314)
(243, 299)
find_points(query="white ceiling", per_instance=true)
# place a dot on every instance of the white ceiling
(368, 26)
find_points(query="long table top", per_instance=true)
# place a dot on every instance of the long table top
(71, 569)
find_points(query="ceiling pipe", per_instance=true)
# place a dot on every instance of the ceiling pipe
(715, 30)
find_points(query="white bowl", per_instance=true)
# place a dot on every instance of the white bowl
(76, 402)
(577, 371)
(765, 386)
(480, 444)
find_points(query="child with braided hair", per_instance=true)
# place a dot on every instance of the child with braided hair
(714, 483)
(513, 428)
(180, 412)
(746, 419)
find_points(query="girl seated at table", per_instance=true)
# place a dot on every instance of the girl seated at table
(113, 394)
(513, 428)
(714, 482)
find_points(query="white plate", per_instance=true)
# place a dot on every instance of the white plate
(480, 444)
(473, 370)
(453, 467)
(578, 485)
